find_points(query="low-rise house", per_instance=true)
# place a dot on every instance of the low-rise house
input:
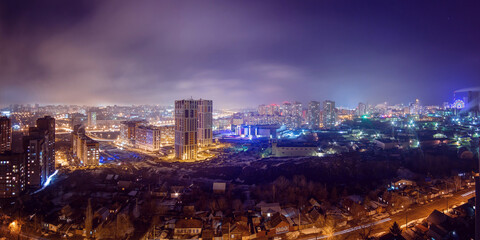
(278, 224)
(187, 228)
(268, 209)
(238, 231)
(403, 183)
(219, 187)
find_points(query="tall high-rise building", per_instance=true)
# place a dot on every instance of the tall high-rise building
(34, 147)
(47, 124)
(205, 121)
(313, 115)
(193, 127)
(329, 114)
(186, 123)
(297, 112)
(12, 174)
(416, 108)
(286, 109)
(361, 109)
(92, 119)
(5, 134)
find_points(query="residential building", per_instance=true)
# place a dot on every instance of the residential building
(193, 127)
(313, 115)
(12, 174)
(35, 148)
(329, 114)
(85, 149)
(205, 135)
(127, 131)
(92, 119)
(47, 125)
(5, 134)
(186, 124)
(361, 109)
(148, 138)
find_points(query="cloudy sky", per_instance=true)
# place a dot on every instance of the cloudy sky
(238, 53)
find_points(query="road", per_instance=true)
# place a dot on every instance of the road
(416, 212)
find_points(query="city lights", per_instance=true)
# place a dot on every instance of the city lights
(239, 120)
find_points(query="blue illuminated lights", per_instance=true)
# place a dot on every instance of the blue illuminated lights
(49, 180)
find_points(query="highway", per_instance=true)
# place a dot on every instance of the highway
(415, 213)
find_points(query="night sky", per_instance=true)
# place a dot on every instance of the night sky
(238, 53)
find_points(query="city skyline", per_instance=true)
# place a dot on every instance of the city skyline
(216, 120)
(237, 54)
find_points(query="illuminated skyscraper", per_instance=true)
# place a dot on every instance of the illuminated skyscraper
(205, 135)
(361, 109)
(47, 124)
(313, 115)
(329, 114)
(5, 134)
(297, 111)
(188, 120)
(34, 146)
(186, 123)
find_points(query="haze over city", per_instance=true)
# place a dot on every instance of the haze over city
(239, 53)
(239, 120)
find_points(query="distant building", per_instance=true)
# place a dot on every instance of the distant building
(189, 120)
(85, 149)
(361, 109)
(262, 110)
(256, 131)
(5, 135)
(127, 131)
(329, 114)
(313, 115)
(92, 119)
(12, 174)
(293, 150)
(205, 120)
(286, 109)
(148, 138)
(47, 124)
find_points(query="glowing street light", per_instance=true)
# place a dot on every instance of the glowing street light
(14, 227)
